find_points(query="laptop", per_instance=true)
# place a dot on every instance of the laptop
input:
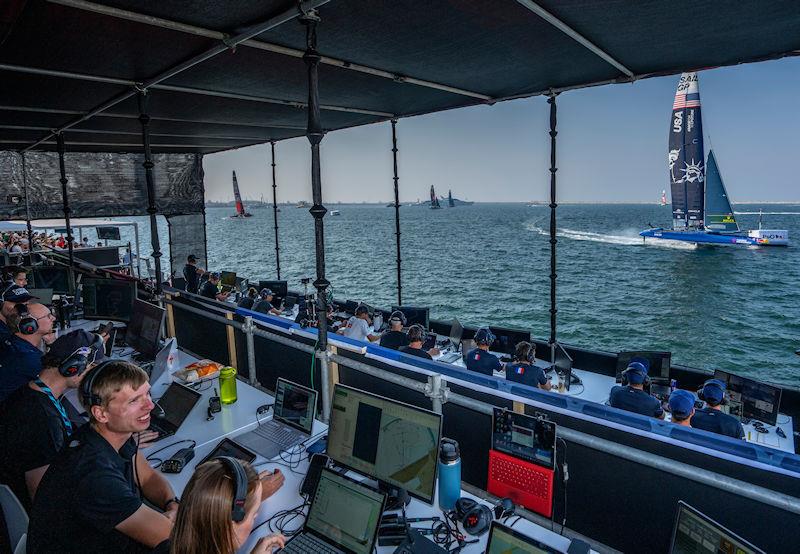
(522, 460)
(161, 364)
(291, 423)
(176, 403)
(504, 539)
(344, 517)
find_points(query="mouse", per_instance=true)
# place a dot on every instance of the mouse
(780, 433)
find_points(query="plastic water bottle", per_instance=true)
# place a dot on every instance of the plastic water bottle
(227, 385)
(449, 474)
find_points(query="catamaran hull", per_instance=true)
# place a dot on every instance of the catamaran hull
(759, 237)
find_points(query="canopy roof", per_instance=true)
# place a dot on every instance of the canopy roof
(75, 223)
(64, 60)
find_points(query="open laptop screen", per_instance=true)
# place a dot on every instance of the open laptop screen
(177, 402)
(503, 540)
(295, 405)
(524, 437)
(345, 512)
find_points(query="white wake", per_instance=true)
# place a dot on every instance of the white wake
(624, 237)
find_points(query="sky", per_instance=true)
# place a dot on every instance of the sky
(612, 147)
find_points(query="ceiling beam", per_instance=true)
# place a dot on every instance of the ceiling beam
(261, 45)
(124, 144)
(131, 133)
(574, 35)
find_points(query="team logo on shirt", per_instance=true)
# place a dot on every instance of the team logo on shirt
(520, 370)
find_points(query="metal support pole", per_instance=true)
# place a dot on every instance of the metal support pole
(553, 241)
(251, 349)
(148, 164)
(315, 135)
(138, 251)
(28, 218)
(436, 391)
(396, 211)
(67, 210)
(275, 211)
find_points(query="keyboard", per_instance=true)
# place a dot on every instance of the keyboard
(519, 477)
(305, 543)
(450, 358)
(277, 433)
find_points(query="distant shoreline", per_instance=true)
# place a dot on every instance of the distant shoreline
(256, 204)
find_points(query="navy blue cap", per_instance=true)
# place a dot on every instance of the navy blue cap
(714, 390)
(265, 292)
(636, 373)
(65, 345)
(681, 403)
(18, 295)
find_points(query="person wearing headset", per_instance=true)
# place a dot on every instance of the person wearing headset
(21, 355)
(416, 338)
(36, 421)
(395, 338)
(219, 506)
(681, 407)
(264, 303)
(522, 370)
(631, 396)
(358, 326)
(12, 295)
(479, 359)
(711, 417)
(91, 499)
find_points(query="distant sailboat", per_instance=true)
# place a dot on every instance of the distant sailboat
(450, 199)
(240, 212)
(434, 200)
(701, 209)
(663, 198)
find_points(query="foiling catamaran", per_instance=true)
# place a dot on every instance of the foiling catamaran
(701, 208)
(434, 200)
(240, 211)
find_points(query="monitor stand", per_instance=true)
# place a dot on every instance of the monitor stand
(396, 498)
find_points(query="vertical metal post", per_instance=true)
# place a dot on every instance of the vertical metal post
(148, 164)
(435, 390)
(251, 349)
(28, 218)
(67, 210)
(396, 211)
(315, 134)
(553, 241)
(275, 211)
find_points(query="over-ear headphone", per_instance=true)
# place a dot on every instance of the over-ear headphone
(528, 348)
(398, 316)
(712, 383)
(629, 370)
(239, 487)
(27, 323)
(77, 362)
(87, 396)
(476, 518)
(484, 335)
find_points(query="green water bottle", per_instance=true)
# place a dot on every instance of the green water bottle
(227, 385)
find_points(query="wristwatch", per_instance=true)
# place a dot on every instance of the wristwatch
(174, 499)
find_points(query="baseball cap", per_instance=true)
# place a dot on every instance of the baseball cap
(636, 373)
(17, 294)
(681, 402)
(65, 345)
(213, 275)
(192, 258)
(265, 292)
(714, 390)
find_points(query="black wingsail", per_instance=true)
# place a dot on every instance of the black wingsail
(686, 168)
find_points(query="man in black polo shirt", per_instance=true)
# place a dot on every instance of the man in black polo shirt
(631, 397)
(479, 359)
(416, 337)
(91, 498)
(395, 338)
(522, 370)
(192, 273)
(35, 421)
(711, 417)
(210, 288)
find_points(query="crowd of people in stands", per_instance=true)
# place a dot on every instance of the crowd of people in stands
(18, 243)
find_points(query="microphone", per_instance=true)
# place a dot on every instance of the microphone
(157, 410)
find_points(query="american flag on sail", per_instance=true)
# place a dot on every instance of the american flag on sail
(686, 101)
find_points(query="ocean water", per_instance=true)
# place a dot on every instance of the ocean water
(714, 307)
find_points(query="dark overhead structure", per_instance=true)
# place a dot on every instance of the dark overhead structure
(223, 75)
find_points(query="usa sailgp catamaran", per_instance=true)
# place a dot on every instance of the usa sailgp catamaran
(434, 200)
(238, 197)
(701, 208)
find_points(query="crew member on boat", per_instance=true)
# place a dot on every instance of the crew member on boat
(210, 288)
(479, 359)
(631, 396)
(395, 338)
(192, 273)
(681, 406)
(522, 370)
(711, 417)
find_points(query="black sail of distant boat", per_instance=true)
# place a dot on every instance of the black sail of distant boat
(450, 199)
(686, 155)
(434, 201)
(719, 213)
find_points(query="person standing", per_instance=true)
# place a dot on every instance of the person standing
(192, 273)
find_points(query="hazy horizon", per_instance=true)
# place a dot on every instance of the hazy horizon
(612, 145)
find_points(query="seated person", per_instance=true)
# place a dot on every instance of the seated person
(631, 396)
(711, 417)
(522, 370)
(416, 337)
(91, 499)
(12, 295)
(681, 406)
(35, 421)
(248, 300)
(16, 276)
(357, 326)
(479, 359)
(204, 523)
(21, 355)
(395, 338)
(210, 288)
(264, 303)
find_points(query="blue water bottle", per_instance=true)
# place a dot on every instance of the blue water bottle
(449, 474)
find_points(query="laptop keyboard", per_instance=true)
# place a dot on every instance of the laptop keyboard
(276, 433)
(305, 543)
(450, 358)
(519, 477)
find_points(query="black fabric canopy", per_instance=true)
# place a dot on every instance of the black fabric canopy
(63, 59)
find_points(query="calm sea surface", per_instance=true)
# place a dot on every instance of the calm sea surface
(727, 307)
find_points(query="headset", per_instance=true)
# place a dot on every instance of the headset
(87, 396)
(484, 336)
(240, 486)
(417, 332)
(713, 383)
(77, 362)
(629, 370)
(530, 353)
(27, 323)
(398, 316)
(476, 518)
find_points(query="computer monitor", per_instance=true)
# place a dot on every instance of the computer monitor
(108, 299)
(524, 437)
(505, 540)
(695, 532)
(279, 288)
(456, 332)
(228, 279)
(51, 277)
(393, 442)
(108, 233)
(657, 363)
(749, 398)
(414, 315)
(506, 340)
(563, 364)
(144, 329)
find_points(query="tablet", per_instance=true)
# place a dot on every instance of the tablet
(227, 447)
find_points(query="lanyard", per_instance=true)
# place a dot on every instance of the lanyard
(57, 404)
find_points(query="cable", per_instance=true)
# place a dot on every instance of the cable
(283, 518)
(565, 477)
(313, 361)
(151, 457)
